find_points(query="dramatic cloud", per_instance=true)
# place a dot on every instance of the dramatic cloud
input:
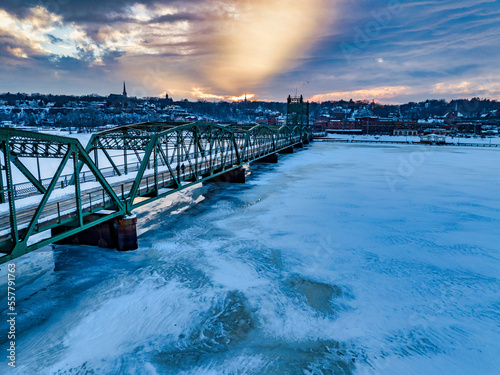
(29, 34)
(387, 50)
(415, 44)
(481, 87)
(379, 93)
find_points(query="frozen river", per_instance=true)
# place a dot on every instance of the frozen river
(341, 259)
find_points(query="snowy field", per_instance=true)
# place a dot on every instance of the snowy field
(48, 166)
(341, 259)
(82, 137)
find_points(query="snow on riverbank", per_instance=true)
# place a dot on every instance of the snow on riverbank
(414, 139)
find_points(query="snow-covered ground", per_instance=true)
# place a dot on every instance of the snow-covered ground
(341, 259)
(415, 139)
(48, 166)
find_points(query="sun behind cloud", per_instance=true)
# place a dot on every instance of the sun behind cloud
(260, 38)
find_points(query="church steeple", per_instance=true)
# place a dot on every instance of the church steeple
(124, 90)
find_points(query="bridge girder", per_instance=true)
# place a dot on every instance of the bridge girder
(158, 159)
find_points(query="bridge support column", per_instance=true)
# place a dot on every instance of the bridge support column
(126, 233)
(306, 141)
(298, 145)
(273, 158)
(120, 234)
(236, 176)
(288, 150)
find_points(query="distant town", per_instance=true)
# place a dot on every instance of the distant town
(464, 117)
(89, 113)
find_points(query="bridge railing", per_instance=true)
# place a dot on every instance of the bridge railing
(24, 189)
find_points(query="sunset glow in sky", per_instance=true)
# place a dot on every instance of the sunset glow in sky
(391, 51)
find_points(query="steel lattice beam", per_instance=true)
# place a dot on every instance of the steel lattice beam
(158, 159)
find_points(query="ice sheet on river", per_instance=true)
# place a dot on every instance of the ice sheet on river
(340, 259)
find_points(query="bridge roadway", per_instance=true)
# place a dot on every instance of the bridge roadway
(90, 196)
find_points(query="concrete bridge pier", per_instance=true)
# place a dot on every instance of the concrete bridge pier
(235, 176)
(273, 159)
(120, 233)
(306, 141)
(288, 150)
(299, 145)
(126, 233)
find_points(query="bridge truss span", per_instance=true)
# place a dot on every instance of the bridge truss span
(119, 170)
(50, 206)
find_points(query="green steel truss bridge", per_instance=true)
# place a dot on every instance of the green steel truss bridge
(119, 170)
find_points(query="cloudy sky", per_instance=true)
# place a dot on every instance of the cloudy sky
(388, 50)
